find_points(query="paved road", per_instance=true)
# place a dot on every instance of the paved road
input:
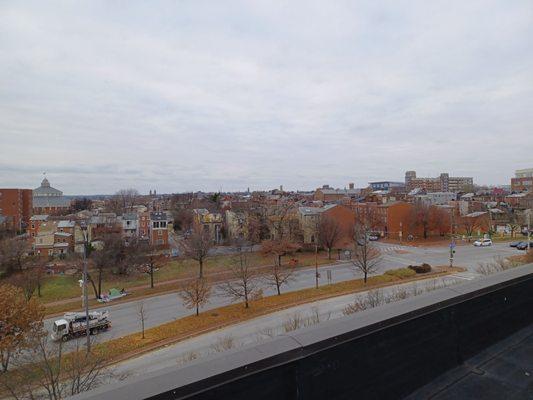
(168, 307)
(260, 329)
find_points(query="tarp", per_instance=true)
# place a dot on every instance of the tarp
(114, 293)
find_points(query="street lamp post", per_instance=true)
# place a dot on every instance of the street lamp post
(529, 229)
(85, 291)
(452, 243)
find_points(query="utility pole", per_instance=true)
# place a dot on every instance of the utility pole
(400, 234)
(529, 229)
(452, 242)
(316, 255)
(85, 291)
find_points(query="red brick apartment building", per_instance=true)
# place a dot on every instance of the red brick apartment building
(16, 205)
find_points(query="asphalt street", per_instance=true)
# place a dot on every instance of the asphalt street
(259, 329)
(168, 307)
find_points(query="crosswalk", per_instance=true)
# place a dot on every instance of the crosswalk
(467, 276)
(392, 248)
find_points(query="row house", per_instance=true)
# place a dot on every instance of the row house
(130, 225)
(237, 224)
(327, 194)
(159, 229)
(520, 201)
(209, 222)
(311, 217)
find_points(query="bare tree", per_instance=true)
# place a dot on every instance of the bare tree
(278, 249)
(111, 255)
(244, 282)
(44, 371)
(471, 222)
(329, 232)
(421, 218)
(123, 200)
(197, 247)
(195, 293)
(13, 254)
(142, 315)
(365, 258)
(278, 276)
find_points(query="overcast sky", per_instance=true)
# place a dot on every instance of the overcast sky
(209, 95)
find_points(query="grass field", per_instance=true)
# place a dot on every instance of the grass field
(61, 287)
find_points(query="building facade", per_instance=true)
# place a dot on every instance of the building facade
(523, 180)
(443, 183)
(49, 200)
(16, 207)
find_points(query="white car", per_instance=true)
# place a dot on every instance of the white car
(483, 242)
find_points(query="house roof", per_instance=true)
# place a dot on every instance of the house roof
(39, 217)
(66, 224)
(65, 234)
(158, 216)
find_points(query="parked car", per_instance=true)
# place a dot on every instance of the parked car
(514, 244)
(373, 238)
(483, 242)
(523, 245)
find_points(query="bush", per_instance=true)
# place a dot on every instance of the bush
(401, 273)
(420, 269)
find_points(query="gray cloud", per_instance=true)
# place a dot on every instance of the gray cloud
(203, 95)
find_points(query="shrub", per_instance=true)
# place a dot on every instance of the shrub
(401, 273)
(420, 269)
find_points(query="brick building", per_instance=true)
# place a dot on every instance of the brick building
(327, 194)
(16, 207)
(159, 229)
(523, 180)
(443, 183)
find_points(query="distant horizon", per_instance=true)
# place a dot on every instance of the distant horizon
(242, 190)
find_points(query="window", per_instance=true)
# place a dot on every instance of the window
(163, 224)
(155, 224)
(32, 226)
(160, 233)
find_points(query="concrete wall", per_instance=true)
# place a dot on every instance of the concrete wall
(384, 353)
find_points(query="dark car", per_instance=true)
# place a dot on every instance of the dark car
(523, 246)
(514, 244)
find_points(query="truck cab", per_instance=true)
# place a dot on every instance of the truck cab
(60, 329)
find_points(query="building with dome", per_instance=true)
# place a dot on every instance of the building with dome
(49, 200)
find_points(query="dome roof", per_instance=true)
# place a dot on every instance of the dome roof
(46, 190)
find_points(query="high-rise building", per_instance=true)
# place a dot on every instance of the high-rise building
(16, 207)
(444, 183)
(523, 180)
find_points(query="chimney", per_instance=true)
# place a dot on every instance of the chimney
(351, 185)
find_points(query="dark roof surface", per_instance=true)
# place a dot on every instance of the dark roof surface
(503, 371)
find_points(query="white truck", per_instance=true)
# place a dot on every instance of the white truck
(74, 324)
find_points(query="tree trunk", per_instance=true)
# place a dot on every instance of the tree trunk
(197, 309)
(277, 287)
(201, 262)
(5, 360)
(93, 285)
(99, 283)
(152, 275)
(329, 253)
(365, 277)
(279, 260)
